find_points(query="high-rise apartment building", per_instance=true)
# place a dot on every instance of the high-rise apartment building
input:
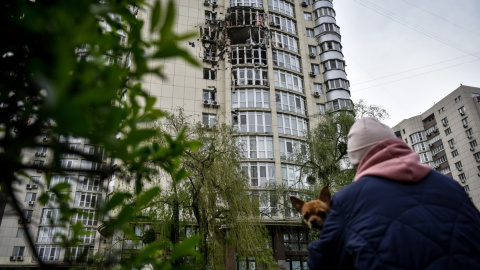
(269, 68)
(446, 137)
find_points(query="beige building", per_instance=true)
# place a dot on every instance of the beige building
(269, 68)
(446, 136)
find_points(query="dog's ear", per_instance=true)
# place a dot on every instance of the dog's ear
(325, 195)
(297, 203)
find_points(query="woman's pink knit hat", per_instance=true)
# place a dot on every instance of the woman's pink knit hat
(363, 135)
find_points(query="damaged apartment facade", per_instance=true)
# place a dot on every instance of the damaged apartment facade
(270, 69)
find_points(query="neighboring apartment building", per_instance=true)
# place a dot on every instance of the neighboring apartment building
(270, 68)
(447, 135)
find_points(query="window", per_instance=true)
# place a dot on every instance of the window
(320, 108)
(291, 177)
(209, 74)
(286, 60)
(208, 95)
(431, 130)
(85, 199)
(250, 76)
(48, 252)
(83, 253)
(18, 251)
(307, 16)
(439, 161)
(38, 163)
(465, 122)
(469, 133)
(30, 197)
(458, 165)
(473, 144)
(209, 120)
(291, 125)
(466, 188)
(462, 178)
(327, 27)
(445, 121)
(34, 180)
(20, 233)
(312, 50)
(440, 111)
(73, 147)
(287, 42)
(425, 157)
(438, 149)
(41, 150)
(50, 234)
(246, 263)
(86, 217)
(56, 179)
(334, 64)
(254, 122)
(448, 131)
(268, 202)
(88, 183)
(296, 239)
(315, 69)
(477, 156)
(256, 146)
(420, 147)
(310, 32)
(90, 165)
(291, 149)
(338, 83)
(317, 88)
(324, 11)
(417, 137)
(259, 173)
(27, 214)
(285, 24)
(461, 110)
(288, 80)
(451, 143)
(339, 104)
(247, 55)
(50, 216)
(331, 46)
(433, 140)
(446, 170)
(52, 200)
(454, 153)
(87, 236)
(282, 6)
(246, 3)
(403, 130)
(69, 163)
(250, 98)
(457, 99)
(290, 102)
(210, 15)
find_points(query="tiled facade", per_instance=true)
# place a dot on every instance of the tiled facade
(446, 136)
(269, 68)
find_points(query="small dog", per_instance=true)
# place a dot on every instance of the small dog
(314, 212)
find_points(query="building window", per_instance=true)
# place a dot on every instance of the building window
(465, 122)
(451, 143)
(420, 147)
(291, 125)
(50, 216)
(439, 161)
(473, 144)
(90, 165)
(438, 149)
(256, 146)
(34, 180)
(291, 149)
(288, 80)
(284, 41)
(50, 234)
(448, 131)
(441, 110)
(466, 188)
(334, 64)
(254, 122)
(291, 177)
(320, 108)
(86, 217)
(425, 157)
(445, 121)
(20, 233)
(477, 156)
(285, 24)
(38, 163)
(457, 99)
(251, 98)
(310, 32)
(331, 46)
(317, 88)
(454, 153)
(48, 252)
(56, 179)
(461, 110)
(246, 3)
(18, 251)
(208, 95)
(327, 27)
(339, 104)
(403, 130)
(248, 55)
(469, 133)
(296, 239)
(250, 76)
(290, 102)
(458, 165)
(209, 15)
(417, 137)
(281, 6)
(259, 173)
(69, 163)
(83, 253)
(209, 120)
(85, 199)
(27, 214)
(315, 68)
(462, 178)
(209, 74)
(445, 170)
(286, 60)
(30, 197)
(88, 183)
(307, 16)
(324, 11)
(338, 84)
(312, 50)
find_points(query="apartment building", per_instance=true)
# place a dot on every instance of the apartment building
(270, 68)
(446, 137)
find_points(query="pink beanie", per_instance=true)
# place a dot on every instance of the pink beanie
(364, 134)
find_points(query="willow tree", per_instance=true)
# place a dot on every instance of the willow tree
(213, 201)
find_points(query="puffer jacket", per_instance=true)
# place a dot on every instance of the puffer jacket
(398, 214)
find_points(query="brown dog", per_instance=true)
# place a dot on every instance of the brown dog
(314, 212)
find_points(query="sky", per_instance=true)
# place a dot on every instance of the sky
(405, 55)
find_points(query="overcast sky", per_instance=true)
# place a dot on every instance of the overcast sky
(405, 55)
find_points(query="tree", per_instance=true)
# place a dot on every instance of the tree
(362, 109)
(62, 67)
(214, 200)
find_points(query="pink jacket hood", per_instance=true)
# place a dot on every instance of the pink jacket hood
(394, 160)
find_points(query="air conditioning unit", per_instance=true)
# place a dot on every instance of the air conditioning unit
(304, 4)
(43, 154)
(13, 258)
(445, 124)
(465, 125)
(235, 119)
(34, 186)
(216, 103)
(312, 55)
(29, 186)
(462, 113)
(472, 149)
(20, 258)
(316, 94)
(312, 74)
(207, 102)
(469, 136)
(460, 169)
(31, 202)
(214, 4)
(37, 154)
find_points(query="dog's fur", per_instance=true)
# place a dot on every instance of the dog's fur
(314, 212)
